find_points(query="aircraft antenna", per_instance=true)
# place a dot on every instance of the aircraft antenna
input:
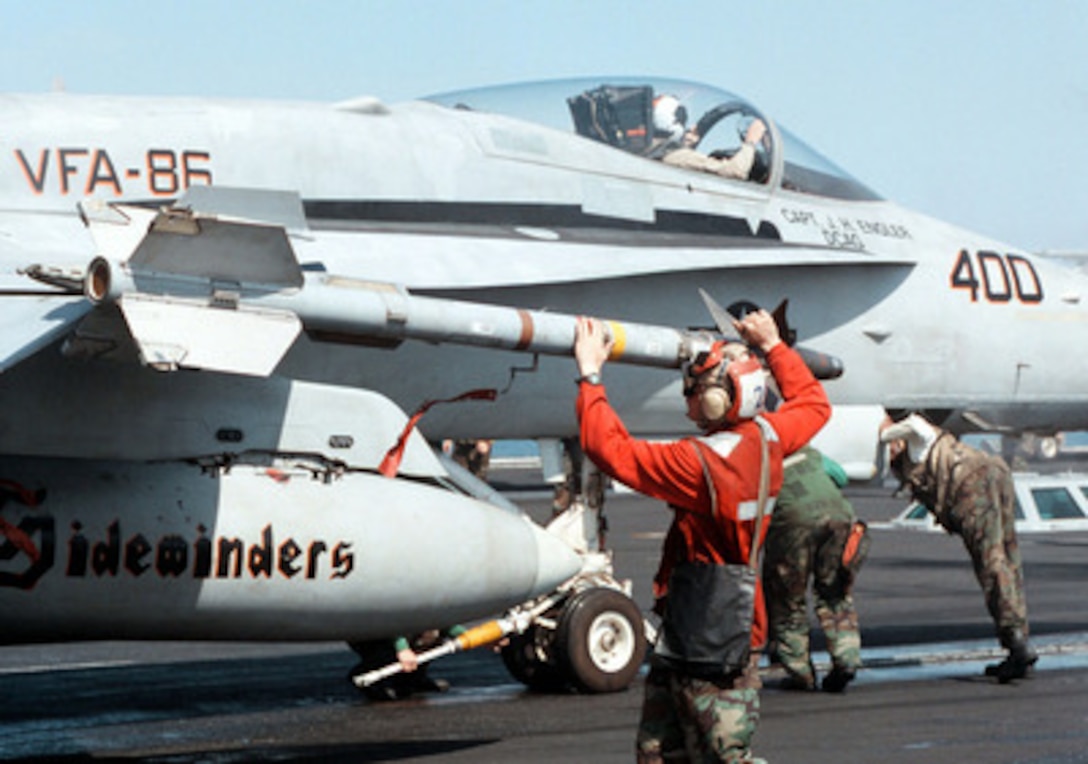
(391, 463)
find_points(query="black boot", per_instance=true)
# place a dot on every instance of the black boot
(837, 679)
(1017, 665)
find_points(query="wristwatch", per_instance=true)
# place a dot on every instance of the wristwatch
(592, 379)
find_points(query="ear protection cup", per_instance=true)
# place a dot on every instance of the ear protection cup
(738, 392)
(715, 402)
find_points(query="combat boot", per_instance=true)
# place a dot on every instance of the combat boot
(837, 679)
(1017, 665)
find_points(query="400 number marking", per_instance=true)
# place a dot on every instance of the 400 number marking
(1000, 278)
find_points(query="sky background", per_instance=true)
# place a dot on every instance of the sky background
(973, 111)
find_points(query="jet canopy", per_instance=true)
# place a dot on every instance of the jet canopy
(634, 115)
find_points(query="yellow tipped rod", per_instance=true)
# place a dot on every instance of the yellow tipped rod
(478, 636)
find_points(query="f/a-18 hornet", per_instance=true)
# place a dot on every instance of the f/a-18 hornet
(216, 313)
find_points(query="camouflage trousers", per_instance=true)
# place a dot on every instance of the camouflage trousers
(698, 721)
(984, 516)
(796, 554)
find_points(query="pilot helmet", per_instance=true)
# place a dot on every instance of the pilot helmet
(731, 388)
(670, 117)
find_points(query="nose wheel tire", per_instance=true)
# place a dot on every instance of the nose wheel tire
(601, 642)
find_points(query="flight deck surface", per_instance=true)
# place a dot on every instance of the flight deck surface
(922, 697)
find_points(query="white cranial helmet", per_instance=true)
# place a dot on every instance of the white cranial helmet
(670, 117)
(916, 431)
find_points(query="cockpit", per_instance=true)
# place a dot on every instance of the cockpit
(688, 125)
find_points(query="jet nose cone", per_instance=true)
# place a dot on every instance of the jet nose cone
(556, 561)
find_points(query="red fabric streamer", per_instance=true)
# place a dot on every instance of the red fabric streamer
(391, 463)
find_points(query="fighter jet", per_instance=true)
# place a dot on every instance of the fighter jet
(320, 513)
(216, 314)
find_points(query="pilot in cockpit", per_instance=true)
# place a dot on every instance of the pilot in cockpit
(675, 142)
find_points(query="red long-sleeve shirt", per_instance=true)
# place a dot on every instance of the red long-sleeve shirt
(673, 472)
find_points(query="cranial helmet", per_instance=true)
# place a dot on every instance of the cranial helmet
(670, 117)
(916, 431)
(729, 390)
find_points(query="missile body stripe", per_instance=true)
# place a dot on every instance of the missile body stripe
(526, 336)
(619, 339)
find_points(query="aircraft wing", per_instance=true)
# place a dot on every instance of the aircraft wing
(33, 314)
(29, 323)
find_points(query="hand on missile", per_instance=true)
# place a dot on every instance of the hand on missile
(592, 345)
(407, 659)
(758, 329)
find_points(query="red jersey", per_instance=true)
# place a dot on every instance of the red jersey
(673, 472)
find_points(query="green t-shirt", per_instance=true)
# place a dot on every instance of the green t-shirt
(809, 492)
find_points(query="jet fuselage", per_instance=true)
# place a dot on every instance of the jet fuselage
(479, 206)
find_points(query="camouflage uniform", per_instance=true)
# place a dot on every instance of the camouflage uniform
(808, 534)
(721, 719)
(970, 493)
